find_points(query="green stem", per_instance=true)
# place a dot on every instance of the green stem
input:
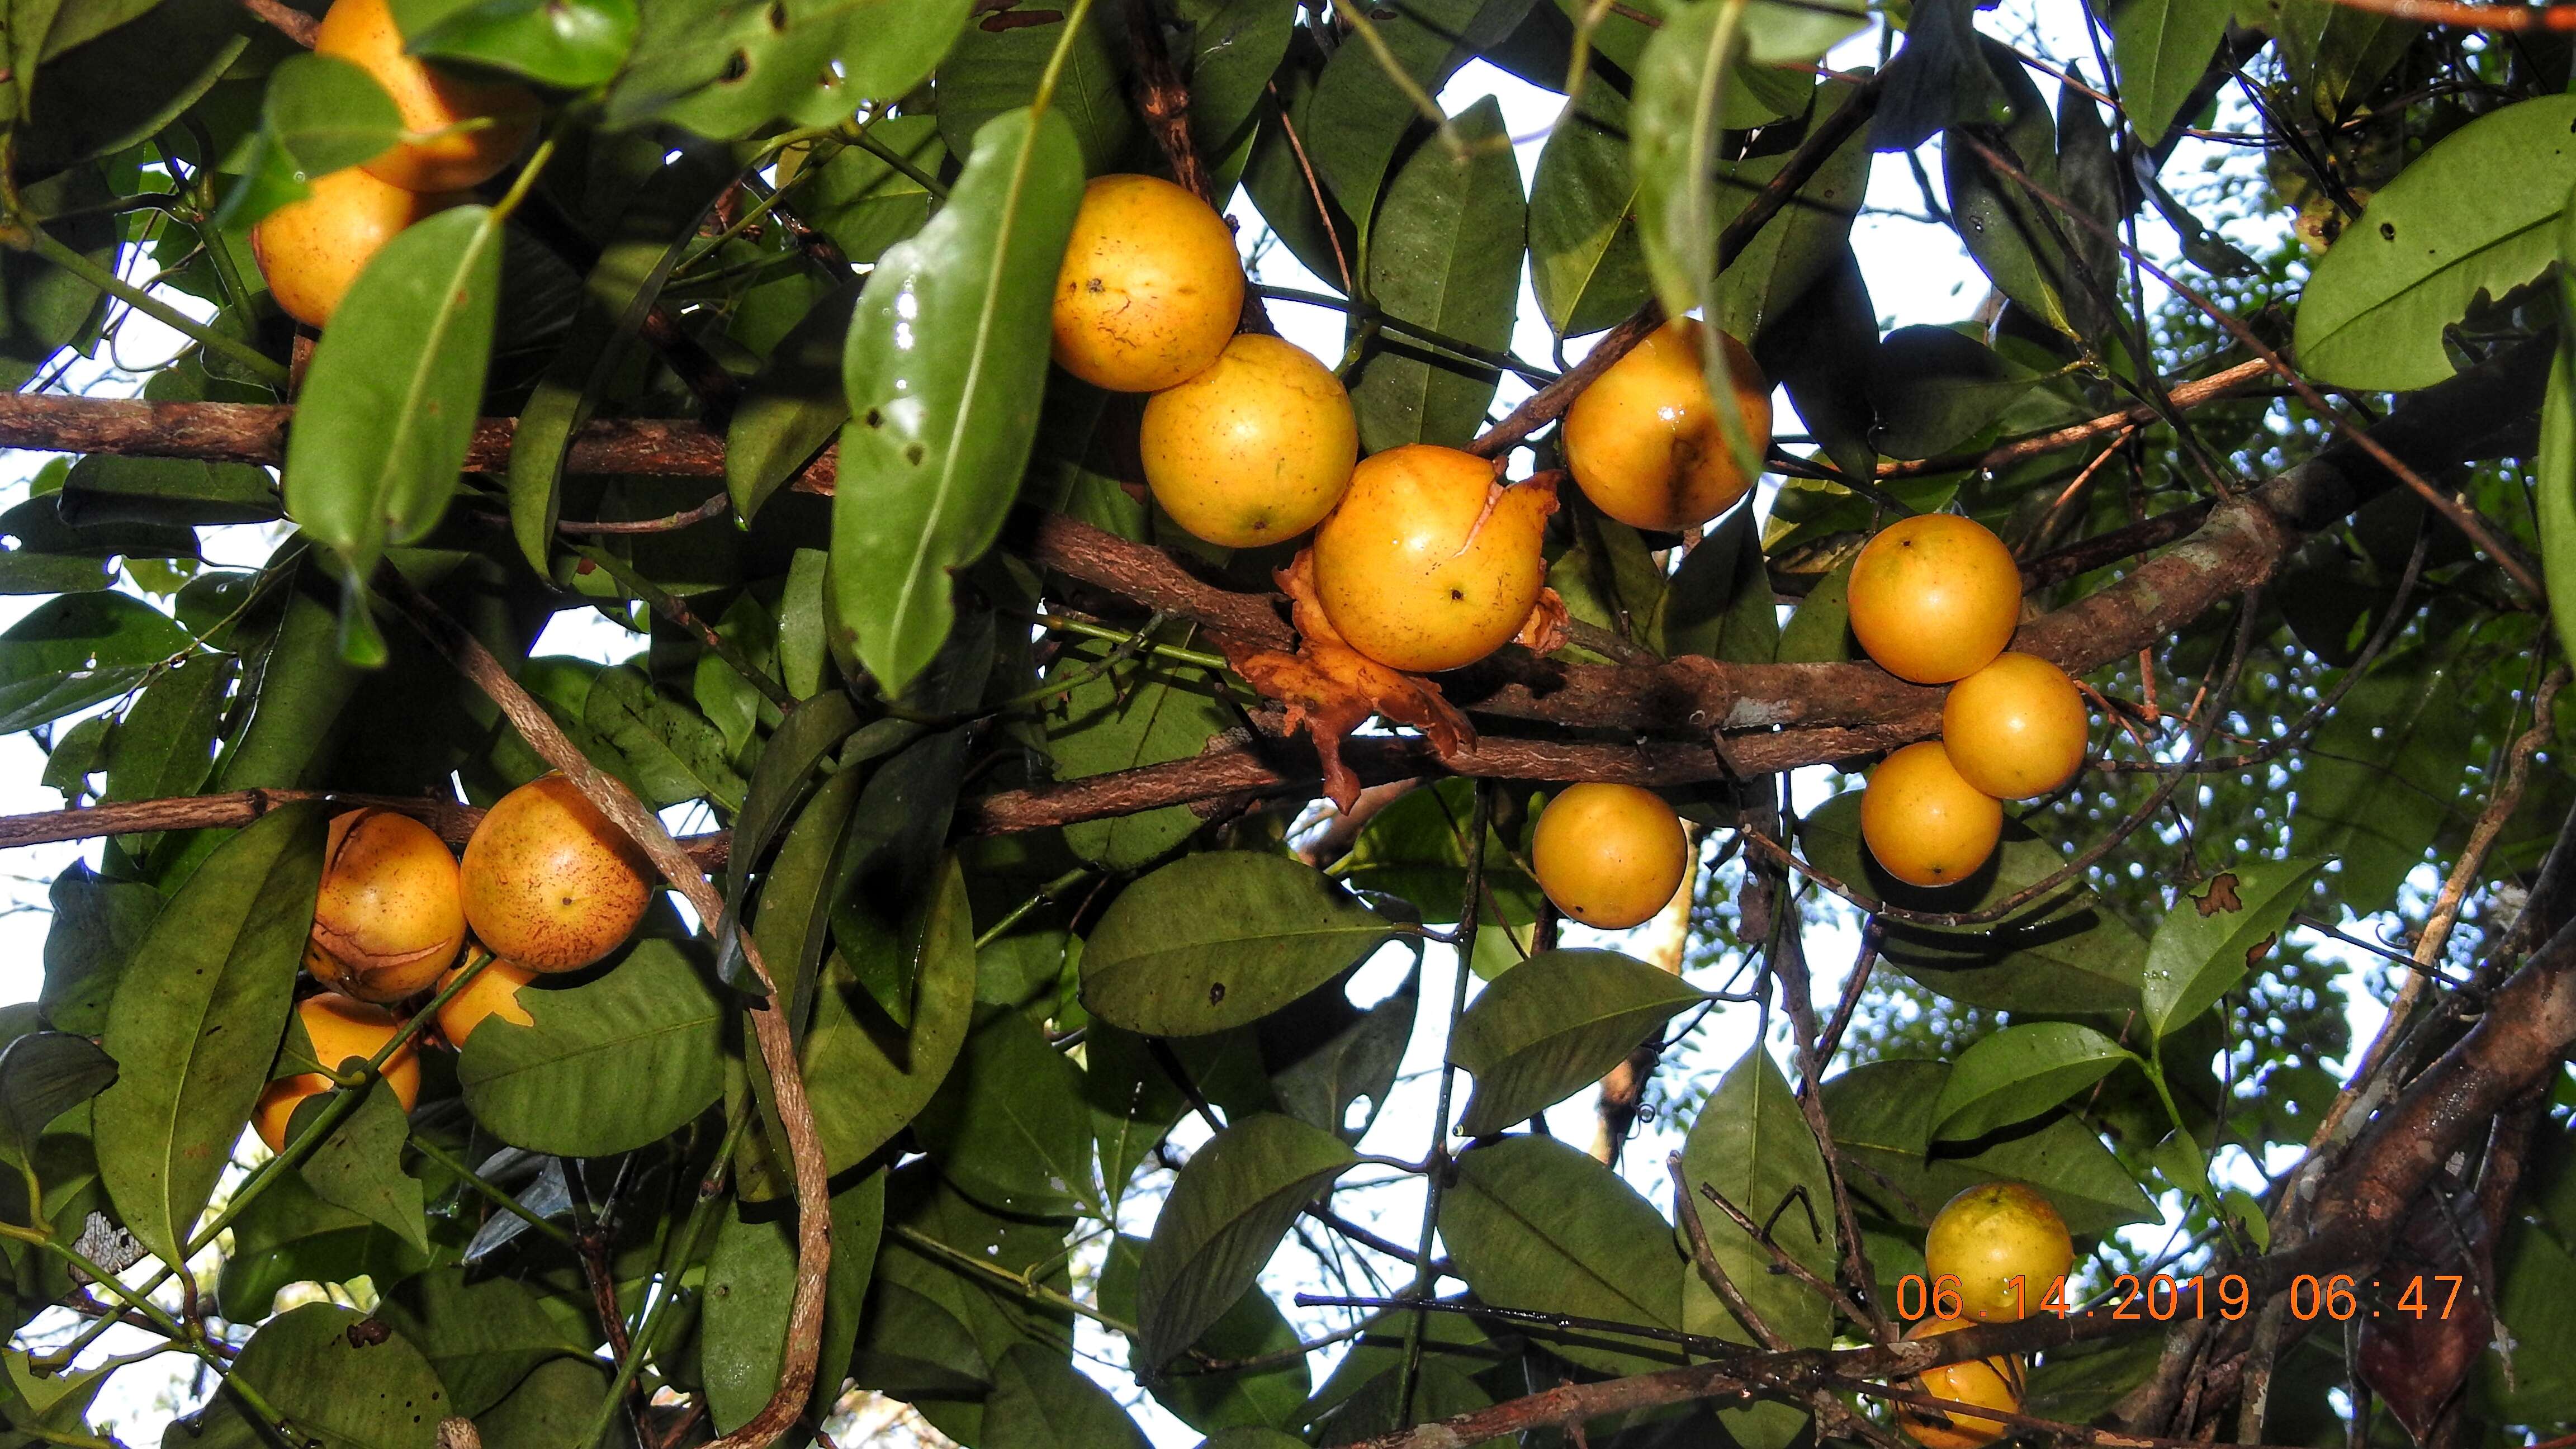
(1089, 630)
(900, 163)
(1046, 893)
(1063, 52)
(499, 1199)
(53, 249)
(528, 174)
(1034, 1292)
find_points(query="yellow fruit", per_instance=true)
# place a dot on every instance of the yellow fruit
(1610, 856)
(493, 993)
(1428, 563)
(469, 129)
(1925, 824)
(2015, 729)
(1150, 289)
(1990, 1383)
(1645, 440)
(1989, 1236)
(311, 250)
(1935, 598)
(340, 1028)
(549, 882)
(1255, 449)
(388, 918)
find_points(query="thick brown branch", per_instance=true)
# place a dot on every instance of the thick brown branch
(453, 822)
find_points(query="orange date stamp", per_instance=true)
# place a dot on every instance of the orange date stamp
(2162, 1297)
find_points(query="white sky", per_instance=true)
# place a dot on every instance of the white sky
(1917, 274)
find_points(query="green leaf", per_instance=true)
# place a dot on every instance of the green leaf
(1145, 711)
(866, 1075)
(1586, 265)
(569, 44)
(482, 1335)
(1162, 964)
(164, 745)
(1040, 1402)
(328, 114)
(724, 70)
(1270, 1392)
(672, 754)
(1534, 1223)
(1234, 48)
(1320, 1086)
(946, 361)
(2213, 937)
(1554, 1024)
(1720, 604)
(2161, 48)
(309, 1365)
(622, 1059)
(117, 91)
(359, 1166)
(795, 405)
(1358, 116)
(104, 489)
(41, 554)
(1882, 1117)
(1682, 78)
(1134, 1102)
(2020, 1072)
(551, 1409)
(44, 307)
(2017, 239)
(1416, 849)
(1752, 1144)
(865, 203)
(933, 1328)
(389, 401)
(287, 1235)
(995, 71)
(1812, 234)
(197, 1016)
(2535, 1290)
(1819, 629)
(71, 652)
(2554, 483)
(1446, 254)
(1936, 389)
(1010, 1128)
(2471, 217)
(2380, 777)
(751, 1280)
(1229, 1207)
(43, 1075)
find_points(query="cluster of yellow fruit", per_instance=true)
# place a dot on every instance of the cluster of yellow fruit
(2002, 1251)
(1421, 560)
(461, 132)
(1934, 599)
(547, 884)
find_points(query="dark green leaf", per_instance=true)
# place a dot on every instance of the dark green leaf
(97, 924)
(328, 114)
(1720, 603)
(72, 652)
(140, 492)
(1752, 1144)
(310, 1367)
(1585, 262)
(2382, 775)
(359, 1166)
(2554, 490)
(1446, 254)
(1819, 629)
(997, 70)
(44, 555)
(1010, 1128)
(1229, 1207)
(1358, 1062)
(552, 1409)
(671, 753)
(1416, 849)
(287, 1235)
(2019, 1072)
(197, 1015)
(620, 1060)
(571, 44)
(1040, 1402)
(867, 1075)
(1209, 1399)
(1146, 711)
(2474, 216)
(43, 1075)
(1233, 47)
(2162, 47)
(2212, 938)
(1161, 964)
(483, 1335)
(44, 307)
(725, 69)
(1534, 1223)
(796, 404)
(1357, 118)
(164, 745)
(1556, 1023)
(865, 203)
(947, 358)
(1882, 1117)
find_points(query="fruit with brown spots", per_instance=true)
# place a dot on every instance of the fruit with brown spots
(1988, 1383)
(1255, 449)
(2004, 1248)
(465, 130)
(1610, 856)
(1150, 288)
(493, 992)
(311, 250)
(1429, 562)
(389, 916)
(2015, 729)
(1645, 440)
(549, 882)
(340, 1028)
(1935, 597)
(1923, 822)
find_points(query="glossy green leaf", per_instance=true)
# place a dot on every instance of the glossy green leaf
(2218, 933)
(71, 652)
(390, 399)
(996, 70)
(482, 1335)
(2473, 216)
(2019, 1072)
(328, 114)
(1800, 247)
(2018, 240)
(1819, 629)
(569, 44)
(1882, 1118)
(621, 1059)
(724, 70)
(865, 202)
(1720, 604)
(1446, 254)
(1752, 1144)
(947, 357)
(1010, 1128)
(866, 1075)
(43, 1075)
(1145, 711)
(1586, 264)
(1161, 964)
(1534, 1223)
(344, 1390)
(1228, 1209)
(2161, 47)
(1554, 1024)
(1041, 1402)
(197, 1015)
(794, 406)
(2554, 486)
(1358, 117)
(1234, 47)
